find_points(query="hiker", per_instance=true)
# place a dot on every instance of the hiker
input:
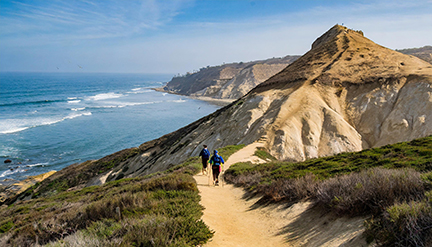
(205, 156)
(216, 160)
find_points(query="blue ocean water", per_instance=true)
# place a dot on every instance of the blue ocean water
(51, 120)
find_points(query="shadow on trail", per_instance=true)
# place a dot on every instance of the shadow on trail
(316, 226)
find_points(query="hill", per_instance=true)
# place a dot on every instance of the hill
(228, 81)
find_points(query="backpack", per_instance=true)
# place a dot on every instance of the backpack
(217, 159)
(205, 153)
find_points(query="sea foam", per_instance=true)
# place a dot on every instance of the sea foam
(104, 96)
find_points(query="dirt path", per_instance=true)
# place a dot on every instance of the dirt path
(236, 224)
(231, 217)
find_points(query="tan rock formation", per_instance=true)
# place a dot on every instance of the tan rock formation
(228, 81)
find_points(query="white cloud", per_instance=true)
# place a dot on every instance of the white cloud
(81, 18)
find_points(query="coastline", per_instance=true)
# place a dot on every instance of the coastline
(12, 187)
(218, 102)
(15, 187)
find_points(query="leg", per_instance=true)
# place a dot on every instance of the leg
(204, 166)
(216, 172)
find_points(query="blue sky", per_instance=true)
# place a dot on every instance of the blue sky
(166, 36)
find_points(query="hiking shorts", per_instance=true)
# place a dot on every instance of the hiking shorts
(216, 170)
(205, 162)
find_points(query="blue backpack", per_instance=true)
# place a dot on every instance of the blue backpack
(217, 159)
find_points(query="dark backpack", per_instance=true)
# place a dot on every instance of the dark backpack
(205, 153)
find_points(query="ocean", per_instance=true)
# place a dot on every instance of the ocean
(51, 120)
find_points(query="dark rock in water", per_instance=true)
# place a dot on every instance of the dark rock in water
(8, 161)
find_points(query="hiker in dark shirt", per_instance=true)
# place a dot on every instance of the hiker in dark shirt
(205, 155)
(216, 160)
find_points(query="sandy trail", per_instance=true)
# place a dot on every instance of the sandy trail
(236, 224)
(231, 217)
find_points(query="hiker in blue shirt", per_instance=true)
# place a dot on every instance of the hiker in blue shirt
(205, 155)
(216, 160)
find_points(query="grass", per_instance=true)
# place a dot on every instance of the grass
(261, 153)
(161, 209)
(392, 183)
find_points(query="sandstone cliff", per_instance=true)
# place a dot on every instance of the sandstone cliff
(228, 81)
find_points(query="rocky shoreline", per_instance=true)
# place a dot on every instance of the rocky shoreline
(11, 187)
(214, 101)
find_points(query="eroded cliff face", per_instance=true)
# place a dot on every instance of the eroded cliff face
(346, 94)
(228, 81)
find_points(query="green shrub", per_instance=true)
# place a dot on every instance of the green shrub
(263, 154)
(369, 191)
(6, 226)
(404, 224)
(105, 228)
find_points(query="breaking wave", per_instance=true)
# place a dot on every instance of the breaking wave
(10, 126)
(104, 96)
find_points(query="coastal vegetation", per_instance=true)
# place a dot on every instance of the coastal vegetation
(391, 184)
(161, 209)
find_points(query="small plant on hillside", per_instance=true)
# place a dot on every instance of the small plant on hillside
(263, 154)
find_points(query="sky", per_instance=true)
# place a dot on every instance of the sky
(179, 36)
